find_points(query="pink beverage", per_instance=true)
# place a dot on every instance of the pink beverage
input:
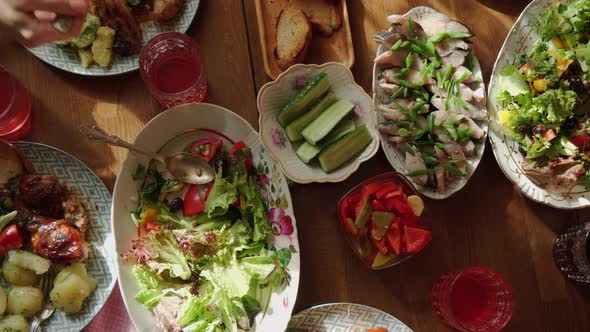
(474, 299)
(171, 66)
(571, 253)
(15, 108)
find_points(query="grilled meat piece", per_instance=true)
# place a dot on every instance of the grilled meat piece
(59, 240)
(117, 15)
(43, 194)
(157, 10)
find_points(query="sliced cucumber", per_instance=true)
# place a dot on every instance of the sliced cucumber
(345, 149)
(298, 105)
(306, 152)
(323, 124)
(295, 128)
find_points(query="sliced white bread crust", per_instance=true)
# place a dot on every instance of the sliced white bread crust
(293, 37)
(323, 14)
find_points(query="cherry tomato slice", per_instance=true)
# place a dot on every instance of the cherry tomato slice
(10, 238)
(193, 204)
(582, 141)
(206, 148)
(416, 239)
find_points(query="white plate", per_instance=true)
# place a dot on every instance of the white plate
(274, 95)
(101, 261)
(520, 41)
(396, 158)
(67, 59)
(344, 317)
(158, 133)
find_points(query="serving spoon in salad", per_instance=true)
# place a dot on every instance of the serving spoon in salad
(183, 166)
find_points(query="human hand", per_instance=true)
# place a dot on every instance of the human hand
(30, 21)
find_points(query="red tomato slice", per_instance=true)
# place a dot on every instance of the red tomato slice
(377, 205)
(386, 190)
(151, 226)
(206, 148)
(582, 141)
(371, 188)
(10, 238)
(394, 237)
(193, 204)
(381, 245)
(399, 205)
(416, 238)
(412, 220)
(240, 145)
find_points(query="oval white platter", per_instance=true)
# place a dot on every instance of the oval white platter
(66, 58)
(519, 41)
(397, 158)
(173, 130)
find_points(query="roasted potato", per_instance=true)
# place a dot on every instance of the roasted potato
(28, 260)
(24, 300)
(86, 57)
(3, 300)
(102, 47)
(17, 275)
(14, 323)
(71, 287)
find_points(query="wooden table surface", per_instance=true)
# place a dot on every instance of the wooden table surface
(487, 223)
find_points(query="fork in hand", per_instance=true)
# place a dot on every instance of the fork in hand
(48, 306)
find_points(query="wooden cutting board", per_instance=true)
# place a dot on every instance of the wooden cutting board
(334, 48)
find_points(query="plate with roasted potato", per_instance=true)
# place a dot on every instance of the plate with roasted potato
(56, 244)
(114, 33)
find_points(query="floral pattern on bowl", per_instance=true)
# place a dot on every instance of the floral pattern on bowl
(274, 95)
(520, 40)
(397, 158)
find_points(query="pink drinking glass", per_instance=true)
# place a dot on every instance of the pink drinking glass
(15, 107)
(171, 65)
(474, 299)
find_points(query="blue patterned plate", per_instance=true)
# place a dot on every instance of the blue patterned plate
(343, 317)
(101, 264)
(66, 58)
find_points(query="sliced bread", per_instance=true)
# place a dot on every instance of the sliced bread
(323, 14)
(11, 163)
(293, 37)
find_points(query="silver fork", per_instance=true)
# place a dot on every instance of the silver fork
(383, 36)
(48, 307)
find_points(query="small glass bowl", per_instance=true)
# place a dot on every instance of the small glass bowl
(408, 189)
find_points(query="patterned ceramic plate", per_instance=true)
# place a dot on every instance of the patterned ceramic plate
(101, 264)
(397, 158)
(274, 95)
(172, 131)
(67, 58)
(344, 317)
(519, 41)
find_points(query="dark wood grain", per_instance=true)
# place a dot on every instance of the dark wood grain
(487, 223)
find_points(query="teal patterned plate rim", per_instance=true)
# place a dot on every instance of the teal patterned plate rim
(81, 180)
(344, 317)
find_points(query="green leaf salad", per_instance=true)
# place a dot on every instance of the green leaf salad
(204, 260)
(544, 97)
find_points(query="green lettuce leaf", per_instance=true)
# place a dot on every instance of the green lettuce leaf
(161, 253)
(221, 197)
(256, 209)
(539, 147)
(512, 82)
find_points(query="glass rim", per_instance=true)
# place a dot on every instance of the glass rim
(159, 38)
(13, 86)
(478, 269)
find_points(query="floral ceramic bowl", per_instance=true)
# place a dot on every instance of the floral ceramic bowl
(274, 95)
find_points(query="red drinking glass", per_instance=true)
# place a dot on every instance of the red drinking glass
(15, 107)
(171, 66)
(474, 299)
(571, 253)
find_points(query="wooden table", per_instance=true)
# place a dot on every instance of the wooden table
(487, 223)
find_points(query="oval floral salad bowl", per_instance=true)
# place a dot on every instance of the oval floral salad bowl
(521, 40)
(398, 147)
(177, 130)
(273, 96)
